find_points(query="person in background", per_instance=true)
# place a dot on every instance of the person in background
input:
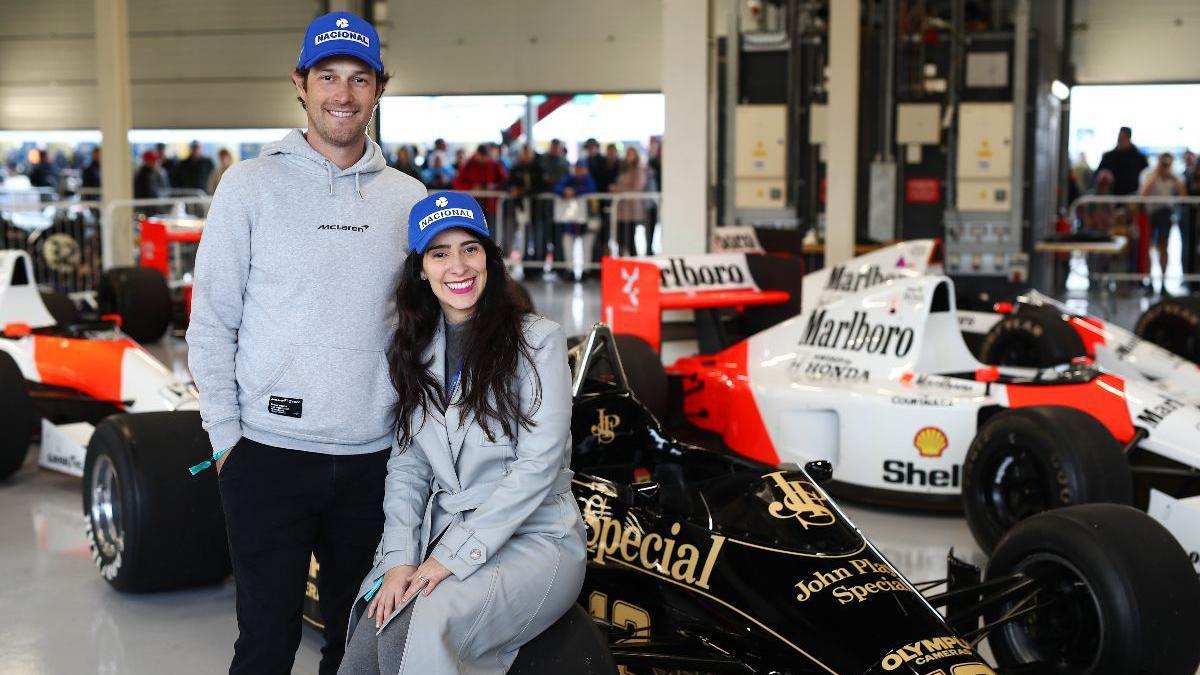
(570, 213)
(554, 163)
(194, 171)
(1162, 182)
(631, 212)
(404, 163)
(1125, 162)
(150, 182)
(482, 172)
(460, 158)
(224, 161)
(91, 173)
(524, 182)
(1189, 215)
(1084, 177)
(438, 176)
(42, 172)
(168, 164)
(439, 148)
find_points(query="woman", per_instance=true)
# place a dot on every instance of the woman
(483, 543)
(631, 212)
(1162, 182)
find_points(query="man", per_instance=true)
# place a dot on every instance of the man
(195, 171)
(292, 317)
(482, 172)
(437, 176)
(150, 182)
(524, 182)
(91, 173)
(1125, 162)
(168, 164)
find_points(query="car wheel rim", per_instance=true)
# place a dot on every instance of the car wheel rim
(1066, 633)
(1018, 488)
(107, 528)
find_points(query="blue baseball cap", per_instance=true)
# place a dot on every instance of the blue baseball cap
(440, 212)
(340, 34)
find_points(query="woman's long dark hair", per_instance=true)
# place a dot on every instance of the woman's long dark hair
(492, 348)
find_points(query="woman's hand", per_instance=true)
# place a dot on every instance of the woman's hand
(387, 598)
(429, 575)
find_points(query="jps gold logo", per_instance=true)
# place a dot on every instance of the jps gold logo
(800, 501)
(604, 428)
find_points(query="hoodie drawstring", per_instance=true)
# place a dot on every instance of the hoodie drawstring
(357, 186)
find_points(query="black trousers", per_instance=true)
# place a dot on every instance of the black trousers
(280, 506)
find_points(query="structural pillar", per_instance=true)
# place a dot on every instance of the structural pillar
(841, 149)
(685, 209)
(114, 110)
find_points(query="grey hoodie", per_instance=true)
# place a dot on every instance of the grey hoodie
(293, 304)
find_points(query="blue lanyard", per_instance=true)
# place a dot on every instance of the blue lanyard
(453, 384)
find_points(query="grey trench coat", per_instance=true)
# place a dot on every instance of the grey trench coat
(511, 533)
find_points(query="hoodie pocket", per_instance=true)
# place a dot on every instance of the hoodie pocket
(331, 395)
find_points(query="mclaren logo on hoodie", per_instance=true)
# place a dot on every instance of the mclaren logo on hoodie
(344, 228)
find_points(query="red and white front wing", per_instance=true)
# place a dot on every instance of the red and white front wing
(108, 368)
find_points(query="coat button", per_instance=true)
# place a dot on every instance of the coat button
(476, 554)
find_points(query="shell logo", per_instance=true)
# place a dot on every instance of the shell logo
(930, 442)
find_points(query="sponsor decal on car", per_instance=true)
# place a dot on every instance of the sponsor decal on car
(884, 580)
(942, 382)
(604, 430)
(923, 400)
(826, 368)
(608, 539)
(622, 614)
(1155, 414)
(900, 472)
(800, 500)
(925, 651)
(857, 334)
(704, 273)
(840, 279)
(930, 442)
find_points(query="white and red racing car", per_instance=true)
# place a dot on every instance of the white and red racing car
(108, 411)
(874, 376)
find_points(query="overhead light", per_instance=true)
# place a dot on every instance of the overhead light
(1060, 90)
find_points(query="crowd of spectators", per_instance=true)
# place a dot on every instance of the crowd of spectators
(1125, 171)
(547, 228)
(528, 179)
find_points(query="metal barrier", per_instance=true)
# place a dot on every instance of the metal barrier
(62, 238)
(536, 234)
(1108, 280)
(144, 207)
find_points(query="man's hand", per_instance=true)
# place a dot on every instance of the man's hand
(428, 576)
(388, 597)
(224, 457)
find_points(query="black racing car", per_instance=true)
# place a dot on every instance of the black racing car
(705, 561)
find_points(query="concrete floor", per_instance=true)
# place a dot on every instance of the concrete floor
(60, 617)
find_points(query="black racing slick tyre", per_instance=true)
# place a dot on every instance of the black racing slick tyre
(1029, 460)
(1115, 593)
(61, 308)
(16, 417)
(141, 297)
(644, 370)
(151, 524)
(1032, 337)
(573, 644)
(1174, 325)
